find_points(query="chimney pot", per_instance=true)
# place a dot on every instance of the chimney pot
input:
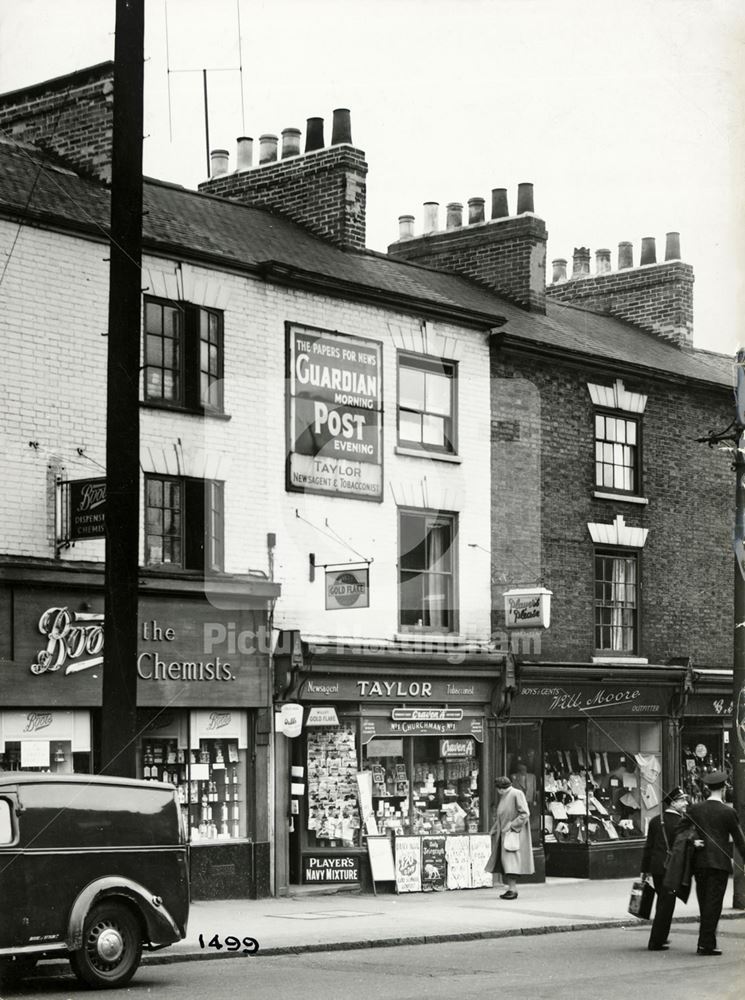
(405, 227)
(499, 208)
(649, 251)
(290, 142)
(524, 198)
(341, 128)
(581, 262)
(560, 269)
(672, 246)
(267, 148)
(625, 255)
(475, 210)
(431, 210)
(219, 161)
(245, 155)
(454, 215)
(313, 134)
(602, 261)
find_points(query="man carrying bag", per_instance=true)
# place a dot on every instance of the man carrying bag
(657, 851)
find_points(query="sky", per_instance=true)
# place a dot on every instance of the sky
(628, 116)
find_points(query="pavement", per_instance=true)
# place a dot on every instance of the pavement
(313, 920)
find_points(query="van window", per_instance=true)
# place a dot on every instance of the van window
(6, 824)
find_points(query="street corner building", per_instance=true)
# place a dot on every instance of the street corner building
(408, 521)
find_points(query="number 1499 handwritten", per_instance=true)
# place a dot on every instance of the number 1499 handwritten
(248, 945)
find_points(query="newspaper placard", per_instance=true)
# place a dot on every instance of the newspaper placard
(434, 865)
(481, 846)
(408, 864)
(458, 856)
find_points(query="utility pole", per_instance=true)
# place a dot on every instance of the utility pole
(737, 739)
(119, 698)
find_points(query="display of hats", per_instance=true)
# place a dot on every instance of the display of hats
(629, 801)
(715, 778)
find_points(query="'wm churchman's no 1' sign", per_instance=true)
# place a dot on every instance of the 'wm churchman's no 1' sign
(349, 588)
(334, 414)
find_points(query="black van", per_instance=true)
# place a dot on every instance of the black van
(91, 868)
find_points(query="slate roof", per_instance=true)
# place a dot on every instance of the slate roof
(218, 230)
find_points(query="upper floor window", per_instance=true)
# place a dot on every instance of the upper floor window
(184, 523)
(616, 453)
(183, 355)
(616, 602)
(426, 570)
(426, 403)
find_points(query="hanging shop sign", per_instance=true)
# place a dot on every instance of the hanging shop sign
(334, 425)
(349, 588)
(322, 717)
(86, 504)
(290, 720)
(458, 747)
(320, 867)
(538, 700)
(390, 688)
(373, 727)
(527, 607)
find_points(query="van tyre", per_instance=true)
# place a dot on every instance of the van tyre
(111, 948)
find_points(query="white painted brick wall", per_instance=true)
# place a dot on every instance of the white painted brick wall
(53, 304)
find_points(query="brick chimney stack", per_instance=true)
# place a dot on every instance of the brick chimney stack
(506, 253)
(658, 297)
(71, 117)
(323, 188)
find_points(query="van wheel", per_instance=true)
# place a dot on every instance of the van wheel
(112, 946)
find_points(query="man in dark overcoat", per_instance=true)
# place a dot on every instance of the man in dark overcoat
(715, 827)
(660, 838)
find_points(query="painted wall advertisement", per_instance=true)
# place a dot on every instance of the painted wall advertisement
(334, 420)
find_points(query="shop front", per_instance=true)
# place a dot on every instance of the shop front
(705, 730)
(398, 757)
(203, 698)
(595, 758)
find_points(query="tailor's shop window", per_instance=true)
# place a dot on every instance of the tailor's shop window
(210, 782)
(183, 356)
(427, 571)
(617, 453)
(602, 779)
(426, 404)
(333, 814)
(425, 784)
(523, 757)
(184, 523)
(616, 602)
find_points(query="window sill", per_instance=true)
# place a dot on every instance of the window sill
(623, 497)
(421, 634)
(619, 658)
(436, 456)
(148, 404)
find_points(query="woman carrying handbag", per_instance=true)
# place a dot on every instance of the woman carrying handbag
(512, 852)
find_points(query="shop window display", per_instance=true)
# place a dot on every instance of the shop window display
(522, 746)
(704, 749)
(333, 811)
(210, 782)
(421, 792)
(603, 784)
(53, 757)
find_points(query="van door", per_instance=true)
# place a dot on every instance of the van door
(12, 874)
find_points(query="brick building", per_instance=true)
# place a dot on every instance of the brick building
(318, 525)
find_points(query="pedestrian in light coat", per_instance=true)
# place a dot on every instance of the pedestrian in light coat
(512, 814)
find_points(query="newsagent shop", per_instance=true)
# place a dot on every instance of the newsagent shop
(594, 752)
(385, 775)
(203, 697)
